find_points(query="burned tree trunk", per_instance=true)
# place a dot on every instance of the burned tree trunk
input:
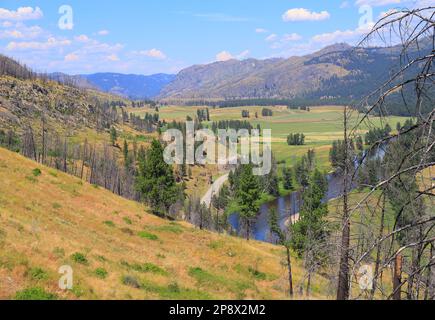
(343, 276)
(397, 278)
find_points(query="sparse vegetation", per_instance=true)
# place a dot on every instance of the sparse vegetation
(80, 258)
(34, 293)
(147, 235)
(101, 273)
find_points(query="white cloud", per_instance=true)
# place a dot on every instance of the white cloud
(301, 14)
(103, 32)
(16, 34)
(242, 55)
(260, 30)
(383, 14)
(19, 30)
(113, 57)
(291, 37)
(22, 13)
(71, 57)
(285, 39)
(35, 45)
(272, 37)
(152, 53)
(82, 38)
(343, 35)
(224, 56)
(377, 3)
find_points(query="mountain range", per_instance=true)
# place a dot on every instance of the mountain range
(131, 86)
(338, 73)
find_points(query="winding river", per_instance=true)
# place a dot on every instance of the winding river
(289, 206)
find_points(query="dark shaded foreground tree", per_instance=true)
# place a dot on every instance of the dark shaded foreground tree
(403, 191)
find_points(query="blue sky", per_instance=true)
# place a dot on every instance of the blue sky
(152, 36)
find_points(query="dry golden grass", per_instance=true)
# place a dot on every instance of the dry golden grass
(46, 218)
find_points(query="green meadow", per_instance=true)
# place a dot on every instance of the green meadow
(321, 126)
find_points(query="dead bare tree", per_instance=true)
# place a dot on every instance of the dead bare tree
(408, 161)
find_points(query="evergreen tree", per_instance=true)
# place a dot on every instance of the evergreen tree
(310, 233)
(287, 176)
(155, 181)
(125, 153)
(113, 136)
(248, 193)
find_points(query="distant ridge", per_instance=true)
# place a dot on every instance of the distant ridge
(337, 72)
(130, 85)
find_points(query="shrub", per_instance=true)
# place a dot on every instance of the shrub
(130, 281)
(101, 273)
(36, 172)
(34, 294)
(173, 287)
(127, 231)
(257, 274)
(56, 206)
(127, 220)
(31, 179)
(80, 258)
(38, 274)
(59, 252)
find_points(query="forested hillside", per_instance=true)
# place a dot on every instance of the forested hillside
(338, 74)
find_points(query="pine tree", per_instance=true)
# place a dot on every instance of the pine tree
(309, 234)
(287, 177)
(248, 193)
(113, 136)
(155, 181)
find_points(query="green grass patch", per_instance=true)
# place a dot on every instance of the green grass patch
(31, 179)
(56, 206)
(109, 224)
(145, 268)
(215, 245)
(127, 220)
(172, 228)
(174, 292)
(38, 274)
(35, 293)
(148, 236)
(207, 279)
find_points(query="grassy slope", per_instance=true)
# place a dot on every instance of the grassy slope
(45, 219)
